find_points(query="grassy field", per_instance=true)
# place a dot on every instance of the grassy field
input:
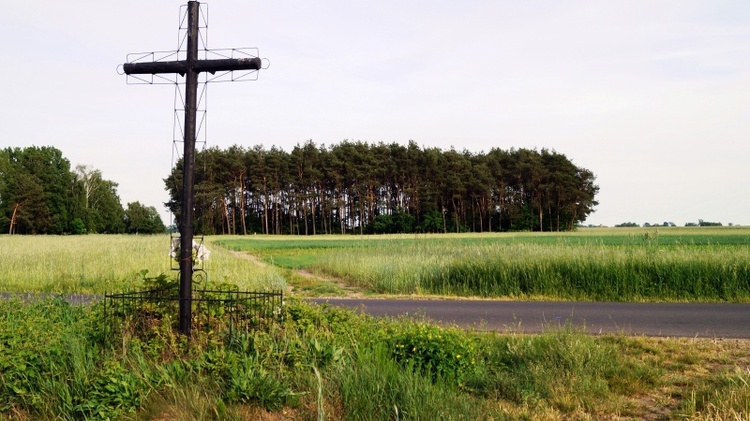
(59, 362)
(616, 264)
(100, 263)
(672, 264)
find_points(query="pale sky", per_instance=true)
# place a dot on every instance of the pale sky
(652, 96)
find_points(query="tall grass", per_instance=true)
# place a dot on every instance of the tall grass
(573, 271)
(375, 387)
(99, 263)
(725, 399)
(615, 264)
(56, 363)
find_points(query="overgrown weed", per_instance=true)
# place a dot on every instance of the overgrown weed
(327, 362)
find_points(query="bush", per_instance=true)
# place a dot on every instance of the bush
(375, 387)
(429, 349)
(77, 227)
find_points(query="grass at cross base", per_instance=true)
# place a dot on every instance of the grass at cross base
(95, 264)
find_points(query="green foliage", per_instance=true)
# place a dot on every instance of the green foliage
(63, 362)
(376, 387)
(114, 391)
(54, 361)
(431, 350)
(384, 188)
(148, 317)
(727, 397)
(51, 364)
(634, 265)
(617, 264)
(432, 222)
(96, 263)
(77, 227)
(140, 219)
(39, 194)
(336, 321)
(98, 202)
(247, 381)
(36, 188)
(561, 366)
(397, 222)
(55, 364)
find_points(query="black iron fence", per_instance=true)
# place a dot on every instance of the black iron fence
(217, 311)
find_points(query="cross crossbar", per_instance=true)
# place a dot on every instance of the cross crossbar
(181, 67)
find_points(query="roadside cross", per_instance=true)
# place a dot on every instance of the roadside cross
(189, 68)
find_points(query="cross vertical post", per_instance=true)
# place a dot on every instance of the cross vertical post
(189, 68)
(188, 172)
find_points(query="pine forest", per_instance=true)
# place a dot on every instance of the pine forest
(362, 188)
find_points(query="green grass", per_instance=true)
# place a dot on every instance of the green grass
(616, 264)
(57, 363)
(665, 264)
(584, 236)
(101, 263)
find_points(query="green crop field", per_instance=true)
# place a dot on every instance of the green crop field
(616, 264)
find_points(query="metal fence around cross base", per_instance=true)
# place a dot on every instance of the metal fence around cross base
(217, 311)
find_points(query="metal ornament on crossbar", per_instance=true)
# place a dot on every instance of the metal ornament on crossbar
(186, 66)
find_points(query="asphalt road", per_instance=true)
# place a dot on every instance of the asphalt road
(76, 299)
(651, 319)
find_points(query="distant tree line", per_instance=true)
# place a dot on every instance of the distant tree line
(700, 223)
(357, 187)
(40, 194)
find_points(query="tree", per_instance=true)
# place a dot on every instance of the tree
(108, 214)
(101, 210)
(25, 196)
(35, 196)
(140, 219)
(39, 194)
(626, 225)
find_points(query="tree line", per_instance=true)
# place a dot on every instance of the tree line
(357, 187)
(40, 194)
(700, 223)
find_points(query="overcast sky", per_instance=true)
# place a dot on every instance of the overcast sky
(652, 96)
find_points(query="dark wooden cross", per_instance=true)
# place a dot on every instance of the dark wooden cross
(189, 69)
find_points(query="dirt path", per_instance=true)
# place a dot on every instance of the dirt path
(307, 284)
(251, 257)
(348, 290)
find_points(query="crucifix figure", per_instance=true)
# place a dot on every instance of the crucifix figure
(189, 68)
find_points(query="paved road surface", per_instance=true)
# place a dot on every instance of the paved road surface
(652, 319)
(71, 298)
